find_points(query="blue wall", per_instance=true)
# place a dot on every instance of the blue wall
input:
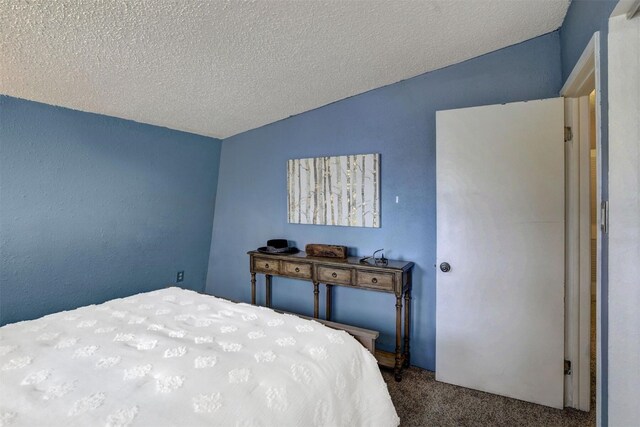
(397, 121)
(94, 207)
(584, 18)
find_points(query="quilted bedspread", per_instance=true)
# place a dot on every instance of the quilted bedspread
(176, 357)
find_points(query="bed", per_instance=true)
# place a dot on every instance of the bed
(176, 357)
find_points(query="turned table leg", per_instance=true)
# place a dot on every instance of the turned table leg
(398, 364)
(328, 303)
(268, 286)
(253, 288)
(407, 328)
(316, 299)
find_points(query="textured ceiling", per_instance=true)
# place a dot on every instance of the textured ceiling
(219, 68)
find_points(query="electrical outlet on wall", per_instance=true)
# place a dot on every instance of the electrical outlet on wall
(180, 276)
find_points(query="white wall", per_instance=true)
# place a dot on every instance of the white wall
(624, 234)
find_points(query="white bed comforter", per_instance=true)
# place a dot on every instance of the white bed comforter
(176, 357)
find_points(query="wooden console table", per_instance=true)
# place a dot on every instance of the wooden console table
(395, 277)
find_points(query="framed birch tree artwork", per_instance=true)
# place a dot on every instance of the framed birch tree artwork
(338, 190)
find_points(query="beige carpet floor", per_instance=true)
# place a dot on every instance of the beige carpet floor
(422, 401)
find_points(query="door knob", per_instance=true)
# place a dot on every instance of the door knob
(445, 267)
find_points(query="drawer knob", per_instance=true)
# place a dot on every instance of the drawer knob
(334, 275)
(297, 269)
(266, 265)
(374, 280)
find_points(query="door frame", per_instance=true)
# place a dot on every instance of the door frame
(584, 78)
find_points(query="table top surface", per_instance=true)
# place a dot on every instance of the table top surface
(347, 262)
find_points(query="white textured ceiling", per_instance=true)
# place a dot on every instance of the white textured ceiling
(219, 68)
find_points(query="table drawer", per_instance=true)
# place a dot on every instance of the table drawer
(329, 274)
(296, 269)
(266, 265)
(375, 280)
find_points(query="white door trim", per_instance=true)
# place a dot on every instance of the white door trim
(626, 7)
(578, 254)
(584, 78)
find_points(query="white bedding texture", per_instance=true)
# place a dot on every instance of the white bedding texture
(178, 358)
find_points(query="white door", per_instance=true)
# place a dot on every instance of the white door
(623, 330)
(500, 227)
